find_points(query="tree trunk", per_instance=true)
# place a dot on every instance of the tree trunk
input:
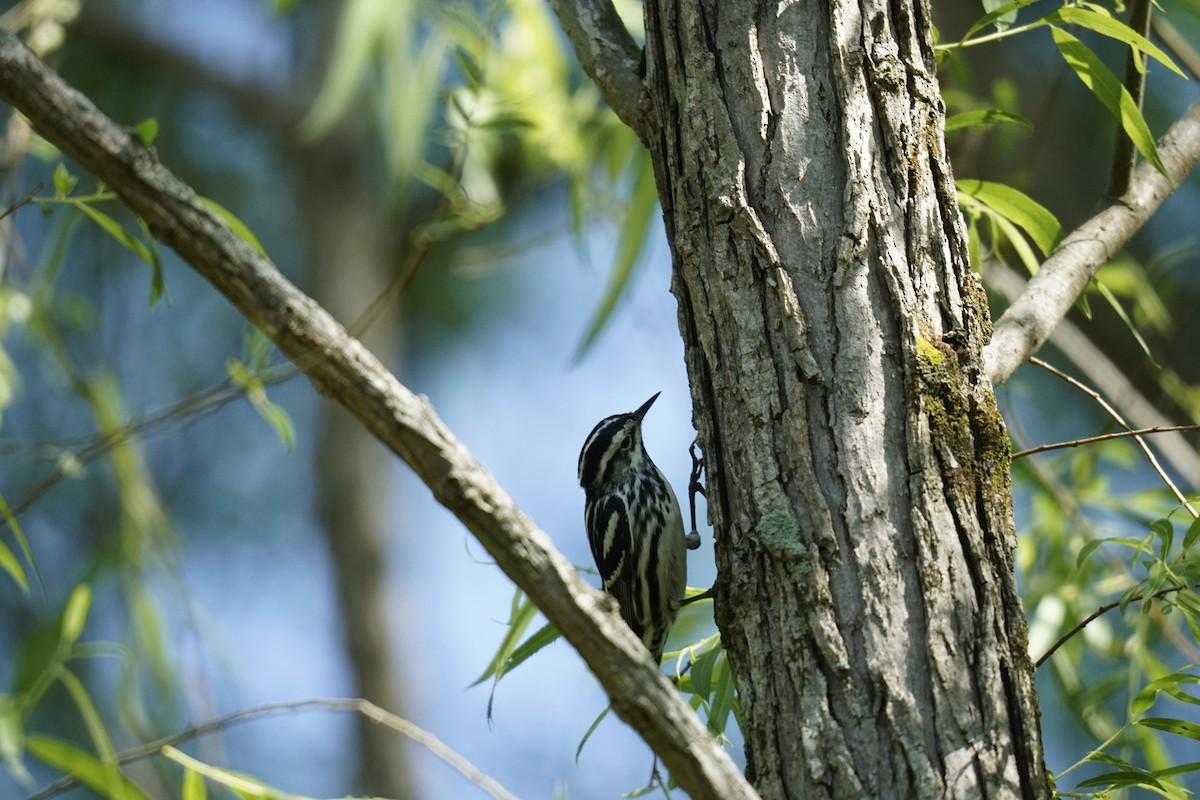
(858, 469)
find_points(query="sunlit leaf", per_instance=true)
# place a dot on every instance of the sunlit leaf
(193, 786)
(1169, 684)
(64, 181)
(1015, 206)
(1114, 29)
(244, 785)
(1110, 92)
(75, 615)
(147, 130)
(9, 563)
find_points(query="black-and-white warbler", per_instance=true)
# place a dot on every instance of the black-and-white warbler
(634, 527)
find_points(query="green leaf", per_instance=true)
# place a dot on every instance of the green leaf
(104, 779)
(1007, 12)
(9, 563)
(244, 785)
(986, 116)
(12, 741)
(1122, 778)
(1178, 769)
(999, 15)
(91, 717)
(114, 229)
(1178, 727)
(64, 181)
(235, 224)
(520, 615)
(193, 786)
(1169, 684)
(542, 637)
(75, 616)
(702, 672)
(249, 382)
(158, 281)
(1193, 533)
(631, 241)
(1015, 206)
(1116, 306)
(1110, 92)
(147, 130)
(722, 701)
(1165, 531)
(590, 730)
(1114, 29)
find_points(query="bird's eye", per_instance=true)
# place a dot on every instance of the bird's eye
(626, 443)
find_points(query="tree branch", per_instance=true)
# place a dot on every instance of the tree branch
(1024, 327)
(1103, 437)
(1102, 610)
(1124, 154)
(364, 708)
(609, 55)
(1110, 380)
(343, 370)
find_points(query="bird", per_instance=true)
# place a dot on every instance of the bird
(634, 527)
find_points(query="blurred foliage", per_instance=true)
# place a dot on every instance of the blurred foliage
(472, 103)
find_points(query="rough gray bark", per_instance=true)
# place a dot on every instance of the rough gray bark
(858, 467)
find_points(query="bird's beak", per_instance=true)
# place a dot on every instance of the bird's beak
(641, 412)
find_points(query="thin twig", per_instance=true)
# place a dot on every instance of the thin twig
(26, 200)
(355, 704)
(1104, 609)
(1042, 448)
(1112, 412)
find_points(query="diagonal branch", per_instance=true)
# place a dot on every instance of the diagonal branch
(609, 55)
(1024, 327)
(343, 370)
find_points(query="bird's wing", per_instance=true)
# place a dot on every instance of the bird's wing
(612, 545)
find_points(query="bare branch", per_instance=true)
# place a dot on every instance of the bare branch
(1024, 327)
(1103, 437)
(1101, 372)
(1112, 412)
(1099, 612)
(345, 371)
(609, 55)
(358, 705)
